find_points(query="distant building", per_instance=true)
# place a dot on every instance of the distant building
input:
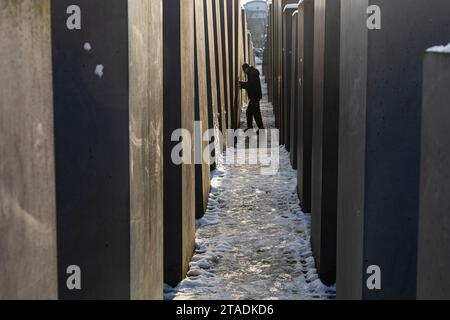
(257, 12)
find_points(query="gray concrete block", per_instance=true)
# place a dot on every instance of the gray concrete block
(146, 143)
(305, 103)
(225, 22)
(179, 112)
(295, 89)
(108, 142)
(28, 267)
(278, 60)
(234, 13)
(202, 172)
(220, 66)
(244, 35)
(211, 70)
(433, 279)
(288, 71)
(285, 58)
(380, 142)
(268, 59)
(91, 128)
(232, 61)
(240, 60)
(325, 138)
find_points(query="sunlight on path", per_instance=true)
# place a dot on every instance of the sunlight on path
(253, 242)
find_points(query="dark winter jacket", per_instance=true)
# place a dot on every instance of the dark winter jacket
(253, 85)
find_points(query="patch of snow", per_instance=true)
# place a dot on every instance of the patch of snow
(440, 49)
(99, 70)
(87, 46)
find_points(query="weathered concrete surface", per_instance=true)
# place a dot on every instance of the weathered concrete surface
(295, 89)
(187, 85)
(270, 51)
(268, 56)
(236, 65)
(325, 138)
(283, 86)
(212, 79)
(91, 129)
(305, 104)
(110, 221)
(380, 142)
(146, 143)
(245, 35)
(212, 66)
(202, 173)
(220, 56)
(232, 61)
(179, 107)
(433, 280)
(252, 60)
(240, 60)
(244, 53)
(276, 11)
(288, 71)
(225, 19)
(279, 5)
(28, 268)
(351, 152)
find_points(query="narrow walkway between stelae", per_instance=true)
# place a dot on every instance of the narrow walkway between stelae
(254, 241)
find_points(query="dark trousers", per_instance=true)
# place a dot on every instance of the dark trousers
(254, 111)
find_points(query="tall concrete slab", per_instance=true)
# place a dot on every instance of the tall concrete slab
(28, 268)
(295, 87)
(251, 52)
(179, 113)
(276, 56)
(278, 8)
(108, 148)
(325, 138)
(220, 53)
(237, 61)
(286, 6)
(278, 63)
(225, 21)
(268, 62)
(351, 153)
(249, 43)
(241, 34)
(245, 35)
(243, 58)
(145, 74)
(91, 128)
(232, 60)
(433, 258)
(270, 84)
(287, 70)
(433, 281)
(379, 142)
(212, 79)
(305, 104)
(202, 172)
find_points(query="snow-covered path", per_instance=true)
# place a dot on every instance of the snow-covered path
(253, 243)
